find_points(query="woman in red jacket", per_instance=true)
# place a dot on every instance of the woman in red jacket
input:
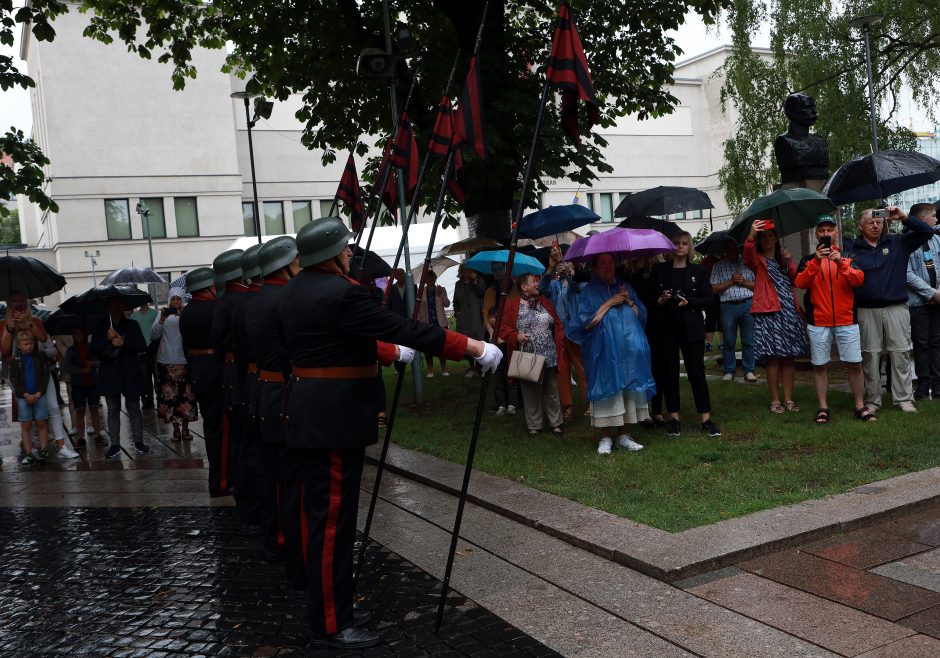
(779, 332)
(530, 321)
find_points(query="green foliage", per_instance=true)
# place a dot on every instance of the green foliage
(813, 51)
(310, 47)
(10, 228)
(23, 173)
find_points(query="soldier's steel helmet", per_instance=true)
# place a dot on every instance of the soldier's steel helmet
(250, 268)
(321, 240)
(199, 279)
(277, 253)
(228, 265)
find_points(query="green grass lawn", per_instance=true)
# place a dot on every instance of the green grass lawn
(763, 460)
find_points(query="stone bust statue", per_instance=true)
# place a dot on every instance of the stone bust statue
(800, 155)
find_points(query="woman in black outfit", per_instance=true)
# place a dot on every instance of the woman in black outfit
(684, 291)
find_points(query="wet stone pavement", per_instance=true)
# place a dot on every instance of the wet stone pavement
(188, 582)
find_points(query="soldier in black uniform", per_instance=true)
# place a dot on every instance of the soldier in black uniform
(204, 365)
(248, 374)
(229, 311)
(279, 476)
(330, 326)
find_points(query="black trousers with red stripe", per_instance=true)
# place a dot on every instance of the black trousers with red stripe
(218, 451)
(281, 509)
(331, 480)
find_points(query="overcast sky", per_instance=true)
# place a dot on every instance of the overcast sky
(692, 37)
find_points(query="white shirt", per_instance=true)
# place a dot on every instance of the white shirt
(171, 341)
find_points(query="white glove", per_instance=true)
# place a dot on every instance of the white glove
(492, 355)
(405, 354)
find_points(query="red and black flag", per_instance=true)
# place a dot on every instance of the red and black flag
(348, 192)
(568, 70)
(405, 153)
(390, 193)
(443, 135)
(469, 127)
(455, 181)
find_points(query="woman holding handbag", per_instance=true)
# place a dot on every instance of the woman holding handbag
(531, 325)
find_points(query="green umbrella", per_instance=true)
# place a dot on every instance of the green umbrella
(791, 211)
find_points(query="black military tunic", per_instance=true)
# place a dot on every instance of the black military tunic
(279, 475)
(204, 365)
(330, 326)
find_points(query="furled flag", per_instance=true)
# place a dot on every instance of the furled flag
(348, 192)
(442, 142)
(405, 153)
(390, 192)
(568, 70)
(469, 127)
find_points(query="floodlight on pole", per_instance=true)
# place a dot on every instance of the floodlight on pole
(263, 110)
(864, 23)
(93, 255)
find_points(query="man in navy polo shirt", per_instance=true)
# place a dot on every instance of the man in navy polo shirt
(883, 317)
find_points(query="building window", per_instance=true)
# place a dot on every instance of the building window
(117, 217)
(607, 207)
(248, 218)
(273, 217)
(694, 214)
(325, 206)
(591, 203)
(157, 220)
(187, 217)
(302, 216)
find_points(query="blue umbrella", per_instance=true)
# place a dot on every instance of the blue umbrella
(521, 264)
(556, 219)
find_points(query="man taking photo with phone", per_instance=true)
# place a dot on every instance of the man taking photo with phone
(881, 300)
(830, 281)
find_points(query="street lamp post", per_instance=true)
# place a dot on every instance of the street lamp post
(864, 22)
(144, 213)
(262, 111)
(94, 261)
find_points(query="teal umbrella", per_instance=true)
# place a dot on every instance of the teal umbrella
(791, 210)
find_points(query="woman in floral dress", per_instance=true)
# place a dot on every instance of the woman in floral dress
(176, 403)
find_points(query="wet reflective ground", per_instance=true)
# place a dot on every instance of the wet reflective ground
(188, 582)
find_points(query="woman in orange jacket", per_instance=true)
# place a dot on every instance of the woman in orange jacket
(779, 333)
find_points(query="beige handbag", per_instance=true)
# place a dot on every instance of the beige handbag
(526, 366)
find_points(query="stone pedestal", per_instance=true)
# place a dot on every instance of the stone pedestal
(802, 243)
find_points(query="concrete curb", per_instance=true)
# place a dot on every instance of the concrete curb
(664, 555)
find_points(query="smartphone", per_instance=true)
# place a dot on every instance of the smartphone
(769, 225)
(879, 213)
(171, 310)
(826, 241)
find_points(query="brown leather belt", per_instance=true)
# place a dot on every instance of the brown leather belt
(271, 376)
(200, 352)
(253, 368)
(336, 372)
(230, 357)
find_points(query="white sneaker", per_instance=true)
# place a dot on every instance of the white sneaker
(445, 374)
(624, 441)
(605, 446)
(908, 407)
(470, 374)
(90, 431)
(430, 375)
(510, 410)
(65, 452)
(728, 377)
(501, 411)
(750, 377)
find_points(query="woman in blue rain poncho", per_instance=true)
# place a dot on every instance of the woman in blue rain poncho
(616, 354)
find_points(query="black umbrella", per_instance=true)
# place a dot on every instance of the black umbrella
(374, 266)
(96, 300)
(131, 275)
(714, 243)
(662, 201)
(669, 229)
(61, 323)
(879, 175)
(29, 276)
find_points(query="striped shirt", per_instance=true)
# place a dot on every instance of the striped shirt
(723, 270)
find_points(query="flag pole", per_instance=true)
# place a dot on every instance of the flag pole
(382, 178)
(413, 210)
(352, 152)
(399, 381)
(478, 418)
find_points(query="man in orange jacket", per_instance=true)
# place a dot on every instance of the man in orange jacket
(830, 282)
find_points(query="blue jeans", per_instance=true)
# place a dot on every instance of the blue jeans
(734, 317)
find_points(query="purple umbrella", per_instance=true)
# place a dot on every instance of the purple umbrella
(621, 243)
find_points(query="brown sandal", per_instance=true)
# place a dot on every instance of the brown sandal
(776, 407)
(790, 405)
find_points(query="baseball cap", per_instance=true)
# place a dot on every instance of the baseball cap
(826, 219)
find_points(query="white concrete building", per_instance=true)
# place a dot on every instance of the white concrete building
(117, 134)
